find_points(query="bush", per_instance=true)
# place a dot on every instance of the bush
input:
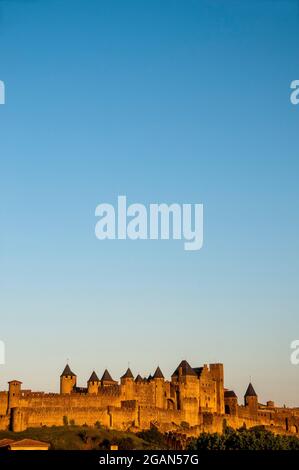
(83, 436)
(153, 436)
(105, 444)
(126, 443)
(185, 425)
(256, 438)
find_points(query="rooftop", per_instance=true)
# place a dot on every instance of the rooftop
(250, 392)
(67, 371)
(185, 368)
(93, 377)
(158, 374)
(106, 377)
(128, 374)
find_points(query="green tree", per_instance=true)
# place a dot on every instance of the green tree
(256, 438)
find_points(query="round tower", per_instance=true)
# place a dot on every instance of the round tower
(14, 393)
(93, 383)
(231, 403)
(107, 380)
(127, 385)
(217, 374)
(68, 380)
(158, 379)
(251, 400)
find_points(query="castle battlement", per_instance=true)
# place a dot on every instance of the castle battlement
(193, 397)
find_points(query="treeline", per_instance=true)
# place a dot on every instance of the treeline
(256, 438)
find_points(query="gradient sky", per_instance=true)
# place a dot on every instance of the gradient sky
(164, 101)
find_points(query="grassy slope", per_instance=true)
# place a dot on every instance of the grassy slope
(80, 438)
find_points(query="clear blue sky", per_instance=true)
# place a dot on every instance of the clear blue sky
(164, 101)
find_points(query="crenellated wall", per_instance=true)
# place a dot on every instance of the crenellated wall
(194, 400)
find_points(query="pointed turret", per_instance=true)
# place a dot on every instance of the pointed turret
(127, 385)
(106, 376)
(138, 379)
(106, 379)
(250, 392)
(68, 380)
(128, 374)
(67, 372)
(251, 400)
(158, 374)
(93, 383)
(93, 378)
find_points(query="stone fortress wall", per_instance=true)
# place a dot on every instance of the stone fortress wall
(194, 400)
